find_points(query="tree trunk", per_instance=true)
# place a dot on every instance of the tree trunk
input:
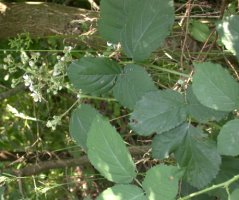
(44, 19)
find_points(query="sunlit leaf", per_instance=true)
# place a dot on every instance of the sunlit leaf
(122, 192)
(228, 30)
(108, 153)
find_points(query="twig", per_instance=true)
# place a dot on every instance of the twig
(55, 164)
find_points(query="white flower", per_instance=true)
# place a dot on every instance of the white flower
(27, 80)
(36, 96)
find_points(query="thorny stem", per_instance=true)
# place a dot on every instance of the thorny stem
(225, 185)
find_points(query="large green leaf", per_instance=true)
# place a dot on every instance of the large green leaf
(139, 26)
(113, 16)
(108, 153)
(93, 75)
(200, 112)
(146, 27)
(161, 182)
(80, 123)
(228, 30)
(132, 84)
(122, 192)
(199, 157)
(228, 139)
(195, 153)
(158, 111)
(214, 87)
(166, 143)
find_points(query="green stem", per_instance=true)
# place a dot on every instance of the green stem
(168, 70)
(96, 98)
(225, 184)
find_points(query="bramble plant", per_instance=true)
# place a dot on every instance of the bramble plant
(181, 121)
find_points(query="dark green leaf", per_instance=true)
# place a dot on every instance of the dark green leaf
(228, 30)
(132, 84)
(80, 123)
(194, 152)
(93, 75)
(108, 153)
(199, 157)
(228, 169)
(122, 192)
(200, 112)
(167, 142)
(228, 138)
(161, 182)
(158, 111)
(215, 88)
(146, 27)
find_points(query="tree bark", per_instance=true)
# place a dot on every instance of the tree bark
(44, 19)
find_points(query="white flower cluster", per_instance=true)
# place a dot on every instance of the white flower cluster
(54, 122)
(35, 94)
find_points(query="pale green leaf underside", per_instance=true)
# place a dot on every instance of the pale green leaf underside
(161, 182)
(146, 27)
(158, 111)
(214, 87)
(122, 192)
(228, 138)
(132, 84)
(228, 30)
(93, 75)
(196, 154)
(108, 153)
(80, 123)
(234, 195)
(200, 112)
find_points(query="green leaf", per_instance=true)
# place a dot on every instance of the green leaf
(93, 75)
(214, 87)
(200, 112)
(122, 192)
(161, 182)
(228, 169)
(132, 84)
(113, 16)
(228, 30)
(166, 143)
(108, 153)
(199, 31)
(234, 195)
(194, 152)
(199, 157)
(146, 27)
(80, 123)
(158, 112)
(228, 139)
